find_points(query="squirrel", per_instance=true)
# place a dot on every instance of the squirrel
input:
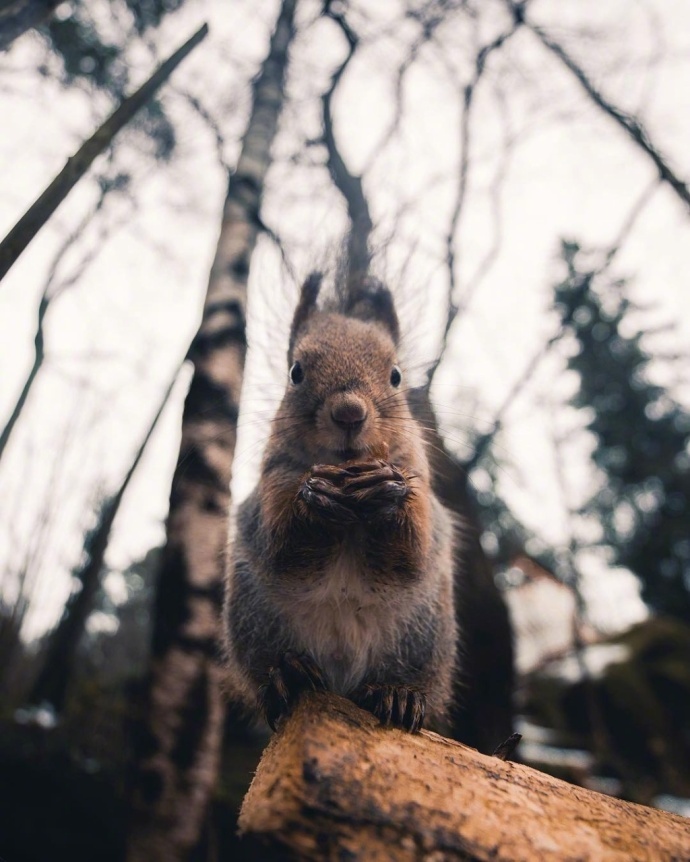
(340, 573)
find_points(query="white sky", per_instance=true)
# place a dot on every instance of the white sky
(115, 338)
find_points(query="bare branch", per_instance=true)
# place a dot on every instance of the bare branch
(480, 62)
(52, 290)
(39, 212)
(52, 683)
(349, 185)
(438, 14)
(608, 257)
(632, 126)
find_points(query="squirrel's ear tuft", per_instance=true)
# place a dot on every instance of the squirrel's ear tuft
(305, 307)
(371, 300)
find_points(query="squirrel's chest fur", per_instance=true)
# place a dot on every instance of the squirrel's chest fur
(345, 618)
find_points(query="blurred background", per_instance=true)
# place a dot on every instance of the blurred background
(520, 170)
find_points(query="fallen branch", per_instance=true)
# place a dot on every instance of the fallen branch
(332, 784)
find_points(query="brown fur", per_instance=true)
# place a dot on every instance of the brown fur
(343, 555)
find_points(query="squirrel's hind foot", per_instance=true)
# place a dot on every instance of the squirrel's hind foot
(286, 682)
(394, 705)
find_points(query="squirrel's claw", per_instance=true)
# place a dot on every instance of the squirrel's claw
(379, 493)
(274, 697)
(394, 706)
(361, 489)
(303, 673)
(326, 501)
(286, 682)
(368, 475)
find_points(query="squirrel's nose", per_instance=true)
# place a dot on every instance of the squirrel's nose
(349, 415)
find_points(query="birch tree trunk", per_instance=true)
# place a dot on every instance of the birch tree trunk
(180, 740)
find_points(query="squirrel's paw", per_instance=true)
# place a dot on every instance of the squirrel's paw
(378, 488)
(286, 682)
(324, 499)
(394, 705)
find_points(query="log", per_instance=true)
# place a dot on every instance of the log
(334, 785)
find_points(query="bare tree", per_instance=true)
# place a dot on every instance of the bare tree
(54, 288)
(483, 716)
(632, 126)
(53, 680)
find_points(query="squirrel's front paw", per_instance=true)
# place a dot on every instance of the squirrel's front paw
(286, 682)
(376, 488)
(323, 497)
(394, 705)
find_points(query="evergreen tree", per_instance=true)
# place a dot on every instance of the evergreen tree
(641, 434)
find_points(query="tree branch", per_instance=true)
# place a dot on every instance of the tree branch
(453, 307)
(633, 127)
(607, 259)
(53, 680)
(349, 185)
(42, 209)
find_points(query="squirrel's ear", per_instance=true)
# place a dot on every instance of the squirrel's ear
(305, 307)
(371, 300)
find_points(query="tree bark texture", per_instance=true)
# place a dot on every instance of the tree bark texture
(335, 785)
(45, 205)
(180, 739)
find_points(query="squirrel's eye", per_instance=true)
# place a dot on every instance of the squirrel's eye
(396, 376)
(296, 373)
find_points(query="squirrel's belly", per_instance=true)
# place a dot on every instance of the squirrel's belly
(344, 621)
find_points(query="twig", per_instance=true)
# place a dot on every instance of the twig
(453, 307)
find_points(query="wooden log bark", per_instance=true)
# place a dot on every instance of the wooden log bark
(333, 785)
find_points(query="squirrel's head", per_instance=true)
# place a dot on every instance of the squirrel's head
(344, 394)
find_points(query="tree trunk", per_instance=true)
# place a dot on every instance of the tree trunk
(333, 784)
(179, 746)
(42, 209)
